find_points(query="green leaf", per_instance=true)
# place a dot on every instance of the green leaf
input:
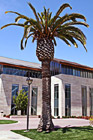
(78, 37)
(75, 23)
(21, 17)
(54, 41)
(59, 11)
(12, 12)
(64, 39)
(71, 28)
(76, 15)
(34, 11)
(12, 24)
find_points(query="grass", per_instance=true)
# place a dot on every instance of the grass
(7, 121)
(73, 133)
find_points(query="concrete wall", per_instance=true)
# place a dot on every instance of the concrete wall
(6, 82)
(76, 96)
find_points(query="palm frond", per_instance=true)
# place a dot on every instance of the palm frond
(28, 38)
(46, 19)
(41, 20)
(22, 47)
(12, 12)
(59, 22)
(21, 17)
(78, 37)
(71, 39)
(76, 15)
(35, 24)
(21, 25)
(34, 11)
(64, 39)
(75, 23)
(72, 28)
(59, 11)
(49, 15)
(54, 41)
(33, 38)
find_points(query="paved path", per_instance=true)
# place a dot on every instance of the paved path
(9, 135)
(6, 134)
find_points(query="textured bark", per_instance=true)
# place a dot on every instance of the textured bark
(46, 123)
(45, 49)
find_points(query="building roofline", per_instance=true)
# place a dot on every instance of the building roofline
(20, 63)
(35, 66)
(73, 64)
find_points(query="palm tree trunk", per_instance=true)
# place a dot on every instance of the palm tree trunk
(46, 123)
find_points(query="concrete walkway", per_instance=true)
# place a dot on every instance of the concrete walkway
(6, 134)
(9, 135)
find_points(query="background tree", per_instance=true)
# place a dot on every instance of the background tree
(21, 100)
(44, 29)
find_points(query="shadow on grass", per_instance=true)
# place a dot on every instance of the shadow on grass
(66, 133)
(70, 129)
(84, 129)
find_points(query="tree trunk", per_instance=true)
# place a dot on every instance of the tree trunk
(46, 123)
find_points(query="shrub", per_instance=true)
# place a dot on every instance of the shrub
(58, 117)
(91, 121)
(4, 115)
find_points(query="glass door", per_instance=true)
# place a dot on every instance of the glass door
(34, 101)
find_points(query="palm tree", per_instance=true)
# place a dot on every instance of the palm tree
(44, 29)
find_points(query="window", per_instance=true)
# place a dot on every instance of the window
(14, 93)
(57, 68)
(91, 101)
(56, 100)
(67, 100)
(34, 101)
(1, 69)
(84, 100)
(21, 72)
(25, 88)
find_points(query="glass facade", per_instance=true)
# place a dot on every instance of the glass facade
(14, 93)
(57, 68)
(1, 69)
(91, 101)
(25, 88)
(21, 72)
(34, 101)
(56, 100)
(67, 100)
(84, 100)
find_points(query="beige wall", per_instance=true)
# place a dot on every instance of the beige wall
(6, 82)
(76, 98)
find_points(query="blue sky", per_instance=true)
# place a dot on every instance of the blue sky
(10, 37)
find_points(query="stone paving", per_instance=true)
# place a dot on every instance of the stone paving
(6, 134)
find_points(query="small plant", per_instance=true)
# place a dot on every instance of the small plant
(39, 116)
(21, 100)
(91, 121)
(58, 117)
(7, 116)
(4, 115)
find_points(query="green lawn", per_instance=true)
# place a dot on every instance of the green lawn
(7, 121)
(74, 133)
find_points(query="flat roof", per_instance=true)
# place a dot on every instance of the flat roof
(37, 66)
(19, 63)
(73, 64)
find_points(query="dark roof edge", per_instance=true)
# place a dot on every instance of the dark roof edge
(73, 64)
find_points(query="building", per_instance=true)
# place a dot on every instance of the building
(71, 87)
